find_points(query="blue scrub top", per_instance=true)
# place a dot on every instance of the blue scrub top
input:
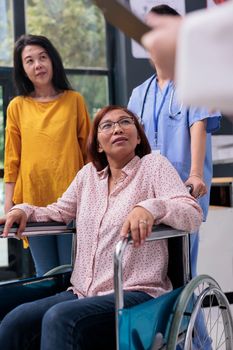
(174, 132)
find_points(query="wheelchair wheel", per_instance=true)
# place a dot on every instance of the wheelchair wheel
(202, 318)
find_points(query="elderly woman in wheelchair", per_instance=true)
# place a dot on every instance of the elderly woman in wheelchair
(124, 188)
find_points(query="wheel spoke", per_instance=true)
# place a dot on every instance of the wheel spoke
(204, 311)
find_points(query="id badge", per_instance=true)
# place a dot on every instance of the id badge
(156, 148)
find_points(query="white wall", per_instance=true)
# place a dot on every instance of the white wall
(216, 247)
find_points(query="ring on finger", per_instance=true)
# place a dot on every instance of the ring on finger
(143, 222)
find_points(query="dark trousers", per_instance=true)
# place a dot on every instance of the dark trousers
(64, 322)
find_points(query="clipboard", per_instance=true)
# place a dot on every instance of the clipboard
(122, 18)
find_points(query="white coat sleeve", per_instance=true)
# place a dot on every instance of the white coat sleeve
(204, 62)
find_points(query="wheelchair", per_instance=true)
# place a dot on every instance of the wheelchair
(194, 315)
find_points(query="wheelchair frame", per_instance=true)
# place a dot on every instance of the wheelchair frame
(198, 289)
(191, 302)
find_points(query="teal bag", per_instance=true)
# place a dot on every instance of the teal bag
(139, 324)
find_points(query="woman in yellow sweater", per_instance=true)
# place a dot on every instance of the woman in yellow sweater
(46, 133)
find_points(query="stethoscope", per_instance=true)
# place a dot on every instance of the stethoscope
(172, 114)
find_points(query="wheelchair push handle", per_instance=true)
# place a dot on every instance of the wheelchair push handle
(190, 188)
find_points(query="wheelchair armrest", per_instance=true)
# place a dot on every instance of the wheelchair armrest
(158, 232)
(163, 232)
(35, 229)
(41, 228)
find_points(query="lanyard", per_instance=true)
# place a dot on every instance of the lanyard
(145, 98)
(157, 113)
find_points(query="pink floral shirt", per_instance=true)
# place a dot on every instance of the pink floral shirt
(150, 182)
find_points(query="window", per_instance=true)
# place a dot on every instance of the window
(6, 33)
(3, 243)
(77, 30)
(94, 89)
(1, 130)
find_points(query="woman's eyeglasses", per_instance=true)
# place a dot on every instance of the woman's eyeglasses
(108, 127)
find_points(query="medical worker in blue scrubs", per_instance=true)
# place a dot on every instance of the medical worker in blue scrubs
(180, 133)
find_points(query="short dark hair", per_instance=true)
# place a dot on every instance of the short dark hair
(164, 10)
(23, 84)
(99, 159)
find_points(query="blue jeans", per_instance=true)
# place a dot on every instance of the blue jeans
(64, 322)
(50, 251)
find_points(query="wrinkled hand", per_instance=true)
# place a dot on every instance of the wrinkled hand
(199, 188)
(161, 42)
(17, 216)
(139, 222)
